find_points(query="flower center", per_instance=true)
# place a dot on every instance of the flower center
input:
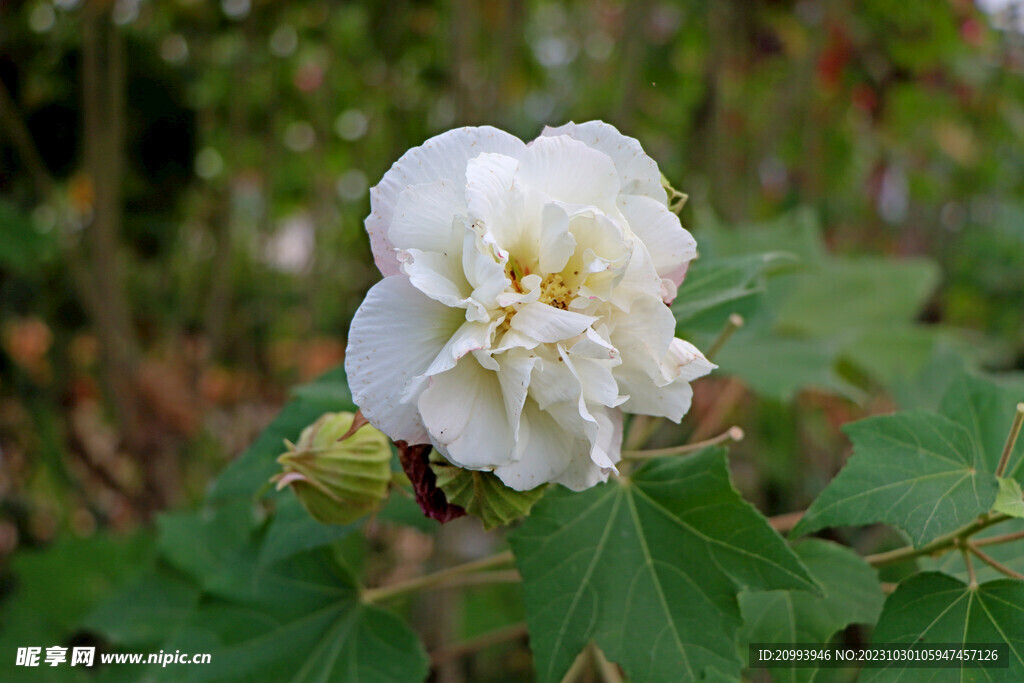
(554, 292)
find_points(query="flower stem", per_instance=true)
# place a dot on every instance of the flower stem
(939, 544)
(1011, 439)
(731, 434)
(371, 595)
(734, 323)
(992, 562)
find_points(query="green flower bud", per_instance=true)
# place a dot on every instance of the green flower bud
(338, 474)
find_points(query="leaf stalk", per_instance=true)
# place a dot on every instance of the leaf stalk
(940, 544)
(731, 434)
(1011, 440)
(456, 573)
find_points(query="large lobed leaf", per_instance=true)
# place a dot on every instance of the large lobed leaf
(915, 470)
(303, 622)
(927, 474)
(649, 569)
(850, 595)
(935, 608)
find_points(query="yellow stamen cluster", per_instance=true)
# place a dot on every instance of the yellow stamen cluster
(554, 292)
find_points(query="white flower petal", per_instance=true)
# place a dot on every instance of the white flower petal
(469, 337)
(442, 157)
(436, 275)
(514, 377)
(671, 394)
(423, 216)
(596, 380)
(671, 246)
(549, 324)
(544, 451)
(557, 244)
(464, 411)
(552, 382)
(638, 173)
(395, 335)
(483, 272)
(685, 361)
(569, 171)
(584, 472)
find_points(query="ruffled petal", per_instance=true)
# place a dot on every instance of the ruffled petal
(514, 373)
(569, 171)
(584, 472)
(468, 338)
(544, 451)
(670, 245)
(436, 275)
(549, 324)
(443, 157)
(423, 216)
(395, 335)
(464, 412)
(638, 173)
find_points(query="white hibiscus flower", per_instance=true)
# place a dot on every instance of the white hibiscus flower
(523, 306)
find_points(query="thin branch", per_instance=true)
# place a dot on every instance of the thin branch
(607, 671)
(485, 578)
(786, 522)
(731, 434)
(473, 645)
(726, 400)
(734, 323)
(371, 595)
(641, 428)
(1011, 439)
(994, 563)
(939, 544)
(964, 550)
(996, 540)
(579, 666)
(23, 142)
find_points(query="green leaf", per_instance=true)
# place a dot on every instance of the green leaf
(711, 283)
(1009, 500)
(146, 611)
(779, 367)
(214, 546)
(986, 410)
(915, 470)
(935, 608)
(890, 351)
(303, 622)
(851, 595)
(292, 531)
(247, 475)
(53, 589)
(657, 560)
(483, 495)
(855, 293)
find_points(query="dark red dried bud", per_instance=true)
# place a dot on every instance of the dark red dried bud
(416, 463)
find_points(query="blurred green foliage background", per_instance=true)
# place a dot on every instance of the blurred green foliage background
(183, 184)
